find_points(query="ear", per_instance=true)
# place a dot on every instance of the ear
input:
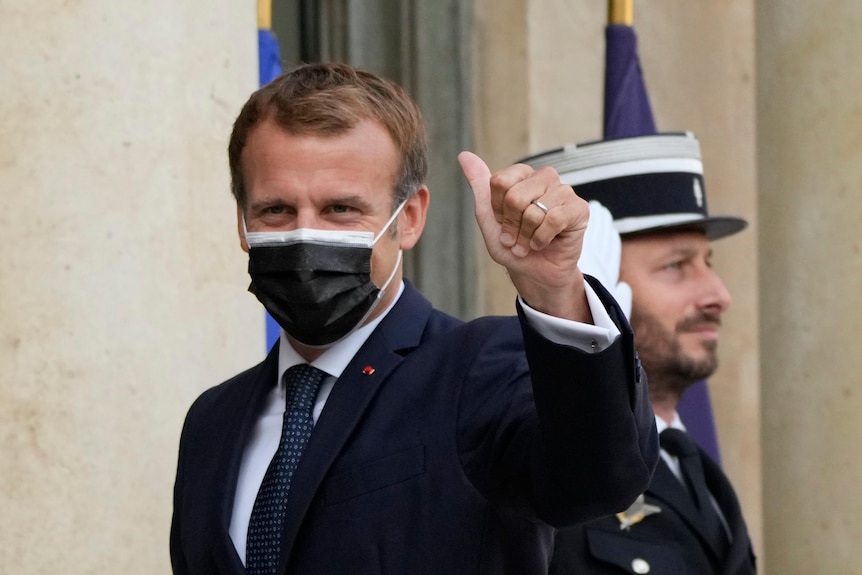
(411, 220)
(241, 229)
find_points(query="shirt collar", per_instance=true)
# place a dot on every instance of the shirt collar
(661, 424)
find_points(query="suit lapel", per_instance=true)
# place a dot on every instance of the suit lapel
(239, 421)
(739, 554)
(398, 334)
(668, 488)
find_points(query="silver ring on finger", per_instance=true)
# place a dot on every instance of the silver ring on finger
(540, 205)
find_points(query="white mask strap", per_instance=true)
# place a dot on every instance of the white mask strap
(244, 228)
(392, 275)
(389, 223)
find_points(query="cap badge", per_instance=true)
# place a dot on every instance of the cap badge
(698, 193)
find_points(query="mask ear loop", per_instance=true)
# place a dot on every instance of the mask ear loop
(389, 222)
(400, 252)
(244, 228)
(391, 275)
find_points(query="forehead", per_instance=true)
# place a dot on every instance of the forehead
(366, 136)
(362, 155)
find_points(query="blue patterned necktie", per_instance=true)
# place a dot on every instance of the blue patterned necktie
(263, 542)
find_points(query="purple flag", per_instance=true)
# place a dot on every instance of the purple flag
(695, 410)
(269, 67)
(627, 109)
(628, 113)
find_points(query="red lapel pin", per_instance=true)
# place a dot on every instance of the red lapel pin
(368, 370)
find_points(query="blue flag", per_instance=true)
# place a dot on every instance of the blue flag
(269, 67)
(269, 56)
(628, 113)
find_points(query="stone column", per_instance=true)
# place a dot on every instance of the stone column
(810, 184)
(122, 285)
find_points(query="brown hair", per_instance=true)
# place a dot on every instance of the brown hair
(330, 99)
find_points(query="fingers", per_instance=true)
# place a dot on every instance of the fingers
(520, 208)
(533, 225)
(533, 207)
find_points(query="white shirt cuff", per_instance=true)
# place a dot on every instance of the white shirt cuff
(586, 337)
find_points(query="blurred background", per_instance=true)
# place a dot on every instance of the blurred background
(123, 286)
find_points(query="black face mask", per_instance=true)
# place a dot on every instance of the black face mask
(315, 283)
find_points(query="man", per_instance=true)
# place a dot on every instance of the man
(653, 188)
(380, 435)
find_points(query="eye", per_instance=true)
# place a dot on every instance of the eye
(273, 214)
(344, 212)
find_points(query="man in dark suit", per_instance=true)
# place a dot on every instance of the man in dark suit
(688, 521)
(381, 435)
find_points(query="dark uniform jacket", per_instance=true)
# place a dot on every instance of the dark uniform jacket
(667, 542)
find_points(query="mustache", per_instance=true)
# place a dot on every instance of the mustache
(699, 321)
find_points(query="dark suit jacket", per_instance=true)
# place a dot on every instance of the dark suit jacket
(671, 542)
(444, 460)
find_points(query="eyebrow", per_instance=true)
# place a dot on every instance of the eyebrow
(265, 201)
(689, 251)
(686, 250)
(342, 199)
(351, 199)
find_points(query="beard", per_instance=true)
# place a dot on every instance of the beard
(670, 371)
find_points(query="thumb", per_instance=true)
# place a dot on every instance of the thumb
(478, 176)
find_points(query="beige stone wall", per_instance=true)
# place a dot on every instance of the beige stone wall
(809, 113)
(540, 84)
(121, 280)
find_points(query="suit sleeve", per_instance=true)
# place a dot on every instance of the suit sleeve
(597, 445)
